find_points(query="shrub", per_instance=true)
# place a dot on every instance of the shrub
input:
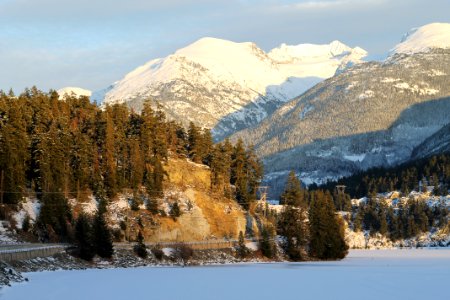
(175, 211)
(158, 253)
(26, 223)
(183, 252)
(140, 249)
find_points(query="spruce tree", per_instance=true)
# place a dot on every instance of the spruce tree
(239, 176)
(140, 249)
(14, 144)
(84, 238)
(326, 229)
(254, 170)
(103, 240)
(194, 141)
(292, 225)
(267, 244)
(55, 216)
(136, 164)
(242, 249)
(109, 167)
(293, 193)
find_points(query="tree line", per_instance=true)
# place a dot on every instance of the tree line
(404, 221)
(416, 175)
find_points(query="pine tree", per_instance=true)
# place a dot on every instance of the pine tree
(254, 172)
(239, 174)
(326, 229)
(136, 164)
(242, 249)
(140, 249)
(293, 193)
(267, 244)
(194, 143)
(109, 167)
(84, 238)
(292, 225)
(205, 147)
(55, 216)
(103, 240)
(14, 153)
(154, 178)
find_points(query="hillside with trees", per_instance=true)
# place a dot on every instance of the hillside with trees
(69, 151)
(104, 174)
(407, 202)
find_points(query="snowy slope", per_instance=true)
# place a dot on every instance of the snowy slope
(435, 35)
(372, 114)
(226, 85)
(75, 90)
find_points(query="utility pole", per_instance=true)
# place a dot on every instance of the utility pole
(341, 195)
(262, 190)
(340, 189)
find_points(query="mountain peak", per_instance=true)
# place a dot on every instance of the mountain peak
(75, 90)
(209, 47)
(425, 38)
(310, 51)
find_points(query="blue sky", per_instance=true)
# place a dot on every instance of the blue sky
(92, 43)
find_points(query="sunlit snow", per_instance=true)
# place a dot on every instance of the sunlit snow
(435, 35)
(364, 274)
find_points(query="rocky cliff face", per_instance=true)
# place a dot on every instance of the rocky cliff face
(205, 215)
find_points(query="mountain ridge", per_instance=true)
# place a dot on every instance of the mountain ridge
(373, 114)
(227, 86)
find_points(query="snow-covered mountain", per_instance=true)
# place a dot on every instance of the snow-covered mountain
(229, 86)
(425, 38)
(74, 90)
(372, 114)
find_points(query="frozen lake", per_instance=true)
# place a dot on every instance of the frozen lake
(364, 274)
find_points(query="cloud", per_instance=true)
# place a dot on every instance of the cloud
(91, 43)
(330, 4)
(51, 10)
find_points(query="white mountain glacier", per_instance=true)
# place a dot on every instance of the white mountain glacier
(372, 114)
(229, 86)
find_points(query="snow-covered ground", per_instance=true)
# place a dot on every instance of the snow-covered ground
(364, 274)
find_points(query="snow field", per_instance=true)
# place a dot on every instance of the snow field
(364, 274)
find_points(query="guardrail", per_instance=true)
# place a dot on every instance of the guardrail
(17, 252)
(196, 245)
